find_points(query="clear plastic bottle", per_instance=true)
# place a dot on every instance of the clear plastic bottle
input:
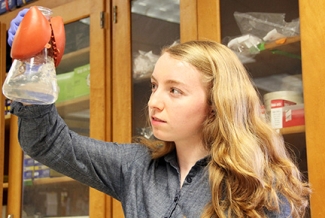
(33, 80)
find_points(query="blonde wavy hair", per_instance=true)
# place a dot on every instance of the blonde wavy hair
(249, 163)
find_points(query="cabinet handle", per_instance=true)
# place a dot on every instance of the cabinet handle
(115, 14)
(10, 216)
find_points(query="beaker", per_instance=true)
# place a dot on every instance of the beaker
(33, 80)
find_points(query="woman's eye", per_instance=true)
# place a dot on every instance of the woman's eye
(153, 86)
(175, 91)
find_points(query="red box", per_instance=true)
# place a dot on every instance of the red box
(293, 116)
(276, 103)
(286, 114)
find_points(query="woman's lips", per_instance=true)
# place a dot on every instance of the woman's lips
(157, 120)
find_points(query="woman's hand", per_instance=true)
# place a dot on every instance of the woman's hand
(14, 24)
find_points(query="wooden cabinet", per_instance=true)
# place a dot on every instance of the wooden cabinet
(215, 21)
(312, 34)
(210, 19)
(306, 140)
(3, 184)
(112, 97)
(92, 15)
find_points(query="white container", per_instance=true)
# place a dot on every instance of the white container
(293, 96)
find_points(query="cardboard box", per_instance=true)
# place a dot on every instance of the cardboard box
(45, 173)
(36, 163)
(28, 178)
(22, 2)
(28, 161)
(7, 5)
(81, 81)
(35, 170)
(276, 112)
(28, 175)
(293, 116)
(277, 103)
(42, 171)
(28, 170)
(286, 114)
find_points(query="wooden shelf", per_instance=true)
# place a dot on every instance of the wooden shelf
(74, 105)
(288, 42)
(45, 181)
(277, 58)
(292, 130)
(72, 60)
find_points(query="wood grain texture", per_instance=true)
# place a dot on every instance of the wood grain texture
(7, 17)
(188, 20)
(81, 9)
(121, 89)
(208, 15)
(15, 171)
(2, 100)
(312, 26)
(121, 73)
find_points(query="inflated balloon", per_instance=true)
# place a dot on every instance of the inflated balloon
(37, 48)
(35, 32)
(57, 38)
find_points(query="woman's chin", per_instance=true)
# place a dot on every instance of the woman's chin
(159, 136)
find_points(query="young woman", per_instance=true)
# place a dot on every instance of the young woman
(215, 155)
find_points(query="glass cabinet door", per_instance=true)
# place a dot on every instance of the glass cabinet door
(140, 29)
(52, 194)
(155, 24)
(46, 193)
(276, 69)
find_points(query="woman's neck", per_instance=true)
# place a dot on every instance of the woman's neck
(187, 156)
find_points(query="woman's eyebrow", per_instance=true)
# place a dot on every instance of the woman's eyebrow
(153, 78)
(170, 82)
(174, 82)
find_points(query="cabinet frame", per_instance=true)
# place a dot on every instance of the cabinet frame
(112, 96)
(312, 39)
(99, 76)
(2, 118)
(200, 19)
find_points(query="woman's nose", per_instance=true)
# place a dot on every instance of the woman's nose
(155, 101)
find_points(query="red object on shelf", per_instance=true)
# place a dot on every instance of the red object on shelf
(276, 103)
(286, 113)
(293, 116)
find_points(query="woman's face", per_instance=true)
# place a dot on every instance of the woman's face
(178, 102)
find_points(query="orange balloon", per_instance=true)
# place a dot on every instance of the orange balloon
(59, 37)
(33, 33)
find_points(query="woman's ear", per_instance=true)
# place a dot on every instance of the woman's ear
(212, 112)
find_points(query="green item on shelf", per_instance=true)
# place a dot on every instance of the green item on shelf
(66, 83)
(261, 46)
(284, 53)
(81, 81)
